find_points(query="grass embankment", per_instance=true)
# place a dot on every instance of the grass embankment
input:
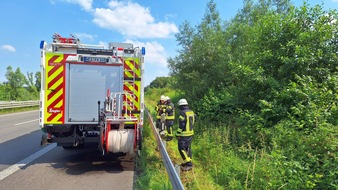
(15, 110)
(151, 170)
(216, 164)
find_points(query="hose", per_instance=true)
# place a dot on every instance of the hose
(121, 141)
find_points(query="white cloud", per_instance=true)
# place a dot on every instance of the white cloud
(155, 60)
(8, 48)
(132, 20)
(85, 36)
(85, 4)
(104, 44)
(168, 16)
(155, 52)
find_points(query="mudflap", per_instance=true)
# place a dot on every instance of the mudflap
(44, 140)
(101, 146)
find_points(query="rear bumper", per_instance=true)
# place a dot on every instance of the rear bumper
(57, 129)
(71, 141)
(72, 135)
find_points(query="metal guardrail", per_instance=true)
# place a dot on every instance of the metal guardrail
(174, 178)
(8, 105)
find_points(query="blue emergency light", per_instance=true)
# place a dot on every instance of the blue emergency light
(41, 44)
(143, 50)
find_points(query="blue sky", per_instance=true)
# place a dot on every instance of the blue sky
(149, 23)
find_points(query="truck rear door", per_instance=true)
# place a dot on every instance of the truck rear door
(86, 85)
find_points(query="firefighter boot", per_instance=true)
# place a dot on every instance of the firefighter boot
(186, 166)
(163, 134)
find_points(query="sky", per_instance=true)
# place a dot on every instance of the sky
(145, 23)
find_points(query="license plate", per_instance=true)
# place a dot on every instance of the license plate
(95, 59)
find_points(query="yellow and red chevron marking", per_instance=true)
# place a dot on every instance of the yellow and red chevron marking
(131, 66)
(133, 88)
(132, 85)
(132, 74)
(54, 88)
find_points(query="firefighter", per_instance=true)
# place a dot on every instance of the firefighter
(170, 116)
(185, 133)
(160, 109)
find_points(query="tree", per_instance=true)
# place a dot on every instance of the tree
(160, 82)
(4, 91)
(200, 55)
(272, 73)
(16, 81)
(38, 80)
(30, 83)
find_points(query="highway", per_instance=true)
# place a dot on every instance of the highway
(24, 164)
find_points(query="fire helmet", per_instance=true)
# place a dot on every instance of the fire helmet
(182, 102)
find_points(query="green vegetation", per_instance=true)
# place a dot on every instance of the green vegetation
(159, 83)
(19, 87)
(264, 86)
(149, 164)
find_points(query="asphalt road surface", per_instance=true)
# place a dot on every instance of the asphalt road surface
(24, 164)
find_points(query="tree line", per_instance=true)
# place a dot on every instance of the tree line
(264, 83)
(20, 87)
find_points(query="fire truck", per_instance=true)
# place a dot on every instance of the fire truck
(92, 94)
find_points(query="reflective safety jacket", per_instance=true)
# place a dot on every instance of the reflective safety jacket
(160, 108)
(170, 111)
(186, 120)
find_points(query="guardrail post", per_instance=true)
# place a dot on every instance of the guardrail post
(164, 143)
(178, 169)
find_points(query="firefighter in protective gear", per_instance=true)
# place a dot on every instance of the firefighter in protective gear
(160, 109)
(185, 133)
(170, 116)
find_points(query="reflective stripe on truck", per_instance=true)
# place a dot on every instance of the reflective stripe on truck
(55, 87)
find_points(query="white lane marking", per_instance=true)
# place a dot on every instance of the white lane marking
(10, 170)
(26, 122)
